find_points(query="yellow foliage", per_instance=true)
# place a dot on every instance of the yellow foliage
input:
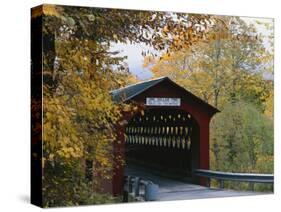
(269, 105)
(51, 10)
(221, 67)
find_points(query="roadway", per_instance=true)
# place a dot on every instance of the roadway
(172, 189)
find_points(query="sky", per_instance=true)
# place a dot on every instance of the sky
(135, 58)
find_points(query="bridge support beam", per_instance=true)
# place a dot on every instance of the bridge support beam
(204, 149)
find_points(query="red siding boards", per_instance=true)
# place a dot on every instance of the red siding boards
(201, 111)
(119, 147)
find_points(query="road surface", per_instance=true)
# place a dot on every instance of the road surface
(171, 189)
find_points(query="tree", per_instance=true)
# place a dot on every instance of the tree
(243, 136)
(104, 26)
(222, 68)
(79, 70)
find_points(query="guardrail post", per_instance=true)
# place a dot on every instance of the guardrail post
(151, 192)
(208, 182)
(137, 186)
(251, 186)
(130, 186)
(272, 187)
(221, 182)
(125, 191)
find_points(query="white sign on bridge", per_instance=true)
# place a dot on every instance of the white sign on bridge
(154, 101)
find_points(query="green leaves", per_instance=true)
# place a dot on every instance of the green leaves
(242, 135)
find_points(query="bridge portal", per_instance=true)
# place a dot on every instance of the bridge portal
(171, 134)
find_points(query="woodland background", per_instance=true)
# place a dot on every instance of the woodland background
(221, 59)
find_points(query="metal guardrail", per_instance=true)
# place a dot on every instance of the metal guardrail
(241, 177)
(140, 189)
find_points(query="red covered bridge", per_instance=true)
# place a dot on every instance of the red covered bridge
(172, 135)
(168, 143)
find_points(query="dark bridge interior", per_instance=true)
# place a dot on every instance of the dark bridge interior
(165, 141)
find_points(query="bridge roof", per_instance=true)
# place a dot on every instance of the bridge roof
(129, 92)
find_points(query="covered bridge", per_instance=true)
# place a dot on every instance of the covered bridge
(172, 135)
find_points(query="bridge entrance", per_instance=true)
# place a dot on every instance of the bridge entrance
(163, 140)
